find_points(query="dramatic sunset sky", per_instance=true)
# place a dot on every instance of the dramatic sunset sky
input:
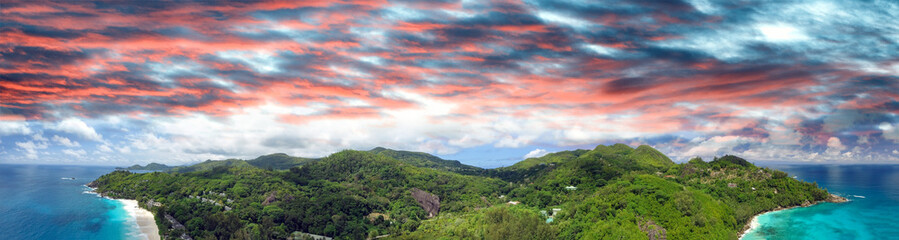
(484, 82)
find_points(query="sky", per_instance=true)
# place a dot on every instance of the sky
(488, 83)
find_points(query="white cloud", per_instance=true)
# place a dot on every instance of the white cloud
(536, 153)
(77, 127)
(704, 6)
(123, 149)
(781, 32)
(823, 30)
(259, 130)
(602, 50)
(74, 153)
(14, 128)
(372, 59)
(467, 140)
(834, 146)
(104, 148)
(260, 60)
(890, 131)
(31, 148)
(64, 141)
(714, 146)
(863, 139)
(38, 137)
(146, 141)
(514, 142)
(562, 19)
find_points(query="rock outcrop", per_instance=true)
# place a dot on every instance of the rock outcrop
(93, 184)
(429, 202)
(836, 199)
(272, 197)
(806, 203)
(652, 230)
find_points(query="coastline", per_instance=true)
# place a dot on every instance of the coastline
(144, 218)
(754, 224)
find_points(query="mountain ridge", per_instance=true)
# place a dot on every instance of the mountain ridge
(606, 192)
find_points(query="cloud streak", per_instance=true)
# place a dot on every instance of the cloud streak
(771, 80)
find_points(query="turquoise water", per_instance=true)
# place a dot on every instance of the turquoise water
(872, 213)
(37, 203)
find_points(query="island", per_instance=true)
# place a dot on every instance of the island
(609, 192)
(148, 167)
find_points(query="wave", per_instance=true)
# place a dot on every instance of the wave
(858, 196)
(90, 190)
(92, 193)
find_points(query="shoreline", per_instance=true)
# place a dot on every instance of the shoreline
(753, 222)
(145, 220)
(143, 217)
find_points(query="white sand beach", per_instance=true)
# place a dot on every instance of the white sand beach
(753, 224)
(144, 219)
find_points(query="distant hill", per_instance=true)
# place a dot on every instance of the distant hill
(279, 161)
(729, 160)
(150, 167)
(420, 159)
(210, 164)
(620, 154)
(282, 161)
(551, 158)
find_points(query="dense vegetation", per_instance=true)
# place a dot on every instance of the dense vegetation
(149, 167)
(610, 192)
(278, 161)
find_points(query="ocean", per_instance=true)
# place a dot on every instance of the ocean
(871, 213)
(40, 202)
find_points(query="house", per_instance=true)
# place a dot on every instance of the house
(302, 235)
(731, 185)
(513, 202)
(570, 188)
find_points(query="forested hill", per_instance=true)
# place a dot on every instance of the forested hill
(420, 159)
(610, 192)
(149, 167)
(281, 161)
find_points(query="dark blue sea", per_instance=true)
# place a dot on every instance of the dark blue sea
(41, 202)
(871, 213)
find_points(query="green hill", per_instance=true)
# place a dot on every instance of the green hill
(609, 192)
(648, 156)
(335, 196)
(278, 161)
(210, 164)
(644, 156)
(551, 158)
(425, 160)
(150, 167)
